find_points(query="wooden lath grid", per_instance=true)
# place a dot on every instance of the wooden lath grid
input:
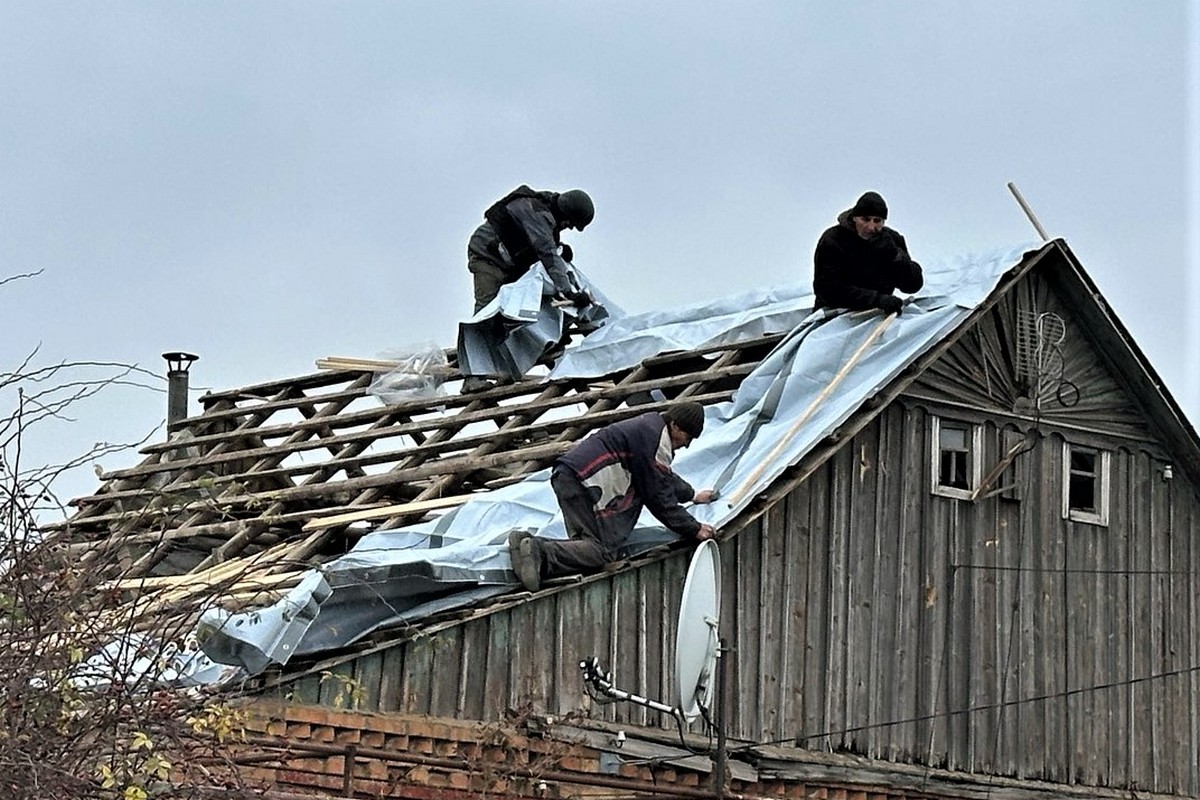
(268, 470)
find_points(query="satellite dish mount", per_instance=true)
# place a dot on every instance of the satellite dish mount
(697, 646)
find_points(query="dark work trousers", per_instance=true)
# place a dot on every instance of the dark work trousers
(592, 544)
(488, 279)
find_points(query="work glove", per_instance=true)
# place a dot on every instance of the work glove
(566, 252)
(890, 304)
(888, 249)
(581, 299)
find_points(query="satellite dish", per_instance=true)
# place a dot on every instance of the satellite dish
(696, 645)
(697, 642)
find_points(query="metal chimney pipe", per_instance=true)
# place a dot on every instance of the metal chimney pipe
(178, 364)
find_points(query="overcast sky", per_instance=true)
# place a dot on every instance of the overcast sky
(268, 183)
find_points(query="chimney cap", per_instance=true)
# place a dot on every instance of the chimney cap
(179, 360)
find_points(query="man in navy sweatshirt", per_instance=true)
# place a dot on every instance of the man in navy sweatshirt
(602, 484)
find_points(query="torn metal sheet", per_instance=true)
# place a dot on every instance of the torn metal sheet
(511, 334)
(748, 442)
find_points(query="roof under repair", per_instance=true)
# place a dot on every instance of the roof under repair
(299, 511)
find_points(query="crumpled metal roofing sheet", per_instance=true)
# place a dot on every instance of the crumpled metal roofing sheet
(509, 334)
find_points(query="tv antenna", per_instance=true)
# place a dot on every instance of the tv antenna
(697, 646)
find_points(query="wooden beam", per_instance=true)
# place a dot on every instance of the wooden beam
(369, 364)
(385, 511)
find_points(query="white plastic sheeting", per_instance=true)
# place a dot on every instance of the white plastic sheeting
(454, 560)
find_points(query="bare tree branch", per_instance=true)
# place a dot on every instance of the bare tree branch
(87, 711)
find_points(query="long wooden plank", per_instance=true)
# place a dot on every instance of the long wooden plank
(817, 402)
(151, 520)
(384, 511)
(346, 362)
(205, 580)
(261, 391)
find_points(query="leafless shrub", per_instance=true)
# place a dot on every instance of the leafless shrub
(85, 685)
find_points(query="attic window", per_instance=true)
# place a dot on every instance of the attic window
(956, 453)
(1085, 484)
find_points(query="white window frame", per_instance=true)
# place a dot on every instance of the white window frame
(974, 460)
(1103, 487)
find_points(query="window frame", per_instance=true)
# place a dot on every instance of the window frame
(974, 459)
(1102, 486)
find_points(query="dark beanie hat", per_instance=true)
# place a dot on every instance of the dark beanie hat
(688, 416)
(869, 205)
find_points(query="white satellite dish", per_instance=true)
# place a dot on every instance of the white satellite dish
(697, 642)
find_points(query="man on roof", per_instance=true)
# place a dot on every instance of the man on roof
(860, 262)
(603, 482)
(521, 229)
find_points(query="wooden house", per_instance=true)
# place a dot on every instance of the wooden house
(982, 584)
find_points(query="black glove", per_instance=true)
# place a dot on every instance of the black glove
(890, 303)
(566, 252)
(887, 248)
(581, 299)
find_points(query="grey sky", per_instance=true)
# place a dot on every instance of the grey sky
(267, 183)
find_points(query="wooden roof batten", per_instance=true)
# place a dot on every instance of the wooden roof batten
(271, 478)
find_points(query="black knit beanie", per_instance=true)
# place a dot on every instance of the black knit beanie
(869, 205)
(688, 416)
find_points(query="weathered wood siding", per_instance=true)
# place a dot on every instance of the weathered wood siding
(992, 636)
(526, 656)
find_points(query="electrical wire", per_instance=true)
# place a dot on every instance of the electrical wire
(802, 737)
(1066, 571)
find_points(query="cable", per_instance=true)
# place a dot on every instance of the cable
(801, 737)
(1065, 571)
(683, 742)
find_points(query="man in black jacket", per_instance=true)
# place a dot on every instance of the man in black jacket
(860, 262)
(603, 482)
(521, 229)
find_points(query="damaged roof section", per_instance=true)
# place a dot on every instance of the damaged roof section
(278, 477)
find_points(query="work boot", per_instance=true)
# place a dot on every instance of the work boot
(526, 559)
(473, 383)
(552, 355)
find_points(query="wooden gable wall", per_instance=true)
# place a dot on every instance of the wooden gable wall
(1029, 355)
(989, 636)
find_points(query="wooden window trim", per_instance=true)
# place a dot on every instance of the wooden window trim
(1103, 489)
(974, 459)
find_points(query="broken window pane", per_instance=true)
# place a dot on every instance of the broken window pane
(1083, 479)
(954, 455)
